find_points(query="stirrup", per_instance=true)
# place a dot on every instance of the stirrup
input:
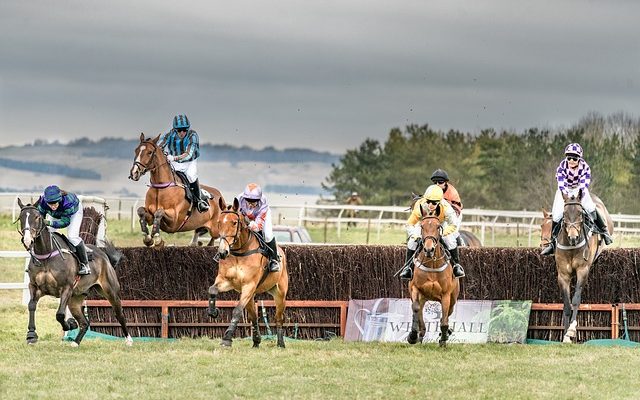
(274, 266)
(548, 250)
(84, 269)
(458, 271)
(607, 238)
(202, 206)
(407, 273)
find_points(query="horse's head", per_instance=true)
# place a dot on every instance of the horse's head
(231, 226)
(31, 224)
(431, 231)
(545, 228)
(148, 157)
(573, 218)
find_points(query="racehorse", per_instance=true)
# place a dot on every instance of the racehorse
(432, 280)
(165, 204)
(469, 239)
(576, 250)
(242, 267)
(52, 271)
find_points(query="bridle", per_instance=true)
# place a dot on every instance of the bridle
(239, 228)
(434, 239)
(575, 224)
(545, 240)
(35, 232)
(145, 168)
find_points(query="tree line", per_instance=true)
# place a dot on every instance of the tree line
(494, 170)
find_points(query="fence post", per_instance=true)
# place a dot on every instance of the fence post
(368, 228)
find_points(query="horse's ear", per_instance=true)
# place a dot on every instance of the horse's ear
(221, 203)
(20, 203)
(565, 196)
(546, 213)
(141, 136)
(155, 139)
(236, 204)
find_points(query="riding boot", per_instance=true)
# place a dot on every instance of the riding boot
(552, 242)
(602, 226)
(274, 265)
(458, 271)
(459, 241)
(407, 270)
(81, 252)
(201, 203)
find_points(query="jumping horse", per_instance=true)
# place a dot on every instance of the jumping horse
(243, 268)
(166, 207)
(52, 271)
(432, 280)
(577, 248)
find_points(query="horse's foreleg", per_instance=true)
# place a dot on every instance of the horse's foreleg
(146, 219)
(60, 314)
(252, 313)
(279, 299)
(415, 323)
(246, 295)
(75, 306)
(581, 277)
(445, 303)
(155, 229)
(32, 336)
(422, 329)
(111, 294)
(564, 284)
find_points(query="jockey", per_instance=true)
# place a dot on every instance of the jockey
(253, 205)
(574, 175)
(441, 178)
(433, 199)
(66, 211)
(183, 148)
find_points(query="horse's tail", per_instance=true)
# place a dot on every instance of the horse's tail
(114, 254)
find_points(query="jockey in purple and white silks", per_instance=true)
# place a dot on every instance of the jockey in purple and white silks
(65, 210)
(253, 205)
(182, 146)
(574, 175)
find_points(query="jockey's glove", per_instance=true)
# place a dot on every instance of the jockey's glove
(170, 157)
(47, 222)
(253, 225)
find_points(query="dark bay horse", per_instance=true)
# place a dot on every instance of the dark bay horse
(165, 206)
(52, 271)
(242, 267)
(432, 280)
(576, 250)
(469, 239)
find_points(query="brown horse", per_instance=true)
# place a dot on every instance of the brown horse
(432, 280)
(242, 267)
(469, 239)
(166, 207)
(576, 250)
(52, 271)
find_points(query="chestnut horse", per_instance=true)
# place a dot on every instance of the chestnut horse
(576, 250)
(243, 268)
(469, 239)
(52, 271)
(432, 280)
(165, 206)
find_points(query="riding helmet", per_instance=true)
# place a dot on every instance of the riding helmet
(433, 193)
(52, 194)
(573, 148)
(181, 122)
(252, 192)
(440, 174)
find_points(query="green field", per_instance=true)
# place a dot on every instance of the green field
(200, 368)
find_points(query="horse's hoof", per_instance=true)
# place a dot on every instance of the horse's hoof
(413, 337)
(128, 341)
(566, 339)
(74, 344)
(225, 343)
(443, 343)
(73, 324)
(32, 340)
(256, 345)
(214, 313)
(281, 345)
(147, 241)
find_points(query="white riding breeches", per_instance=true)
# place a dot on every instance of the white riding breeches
(267, 228)
(414, 237)
(73, 230)
(190, 168)
(558, 203)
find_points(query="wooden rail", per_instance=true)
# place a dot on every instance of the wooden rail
(165, 305)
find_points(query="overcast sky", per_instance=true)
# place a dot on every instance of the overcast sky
(316, 74)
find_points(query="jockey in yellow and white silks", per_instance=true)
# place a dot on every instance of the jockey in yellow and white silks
(434, 202)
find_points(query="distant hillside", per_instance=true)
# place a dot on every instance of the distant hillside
(123, 149)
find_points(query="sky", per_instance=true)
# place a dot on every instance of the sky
(324, 75)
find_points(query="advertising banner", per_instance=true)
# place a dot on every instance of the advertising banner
(472, 321)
